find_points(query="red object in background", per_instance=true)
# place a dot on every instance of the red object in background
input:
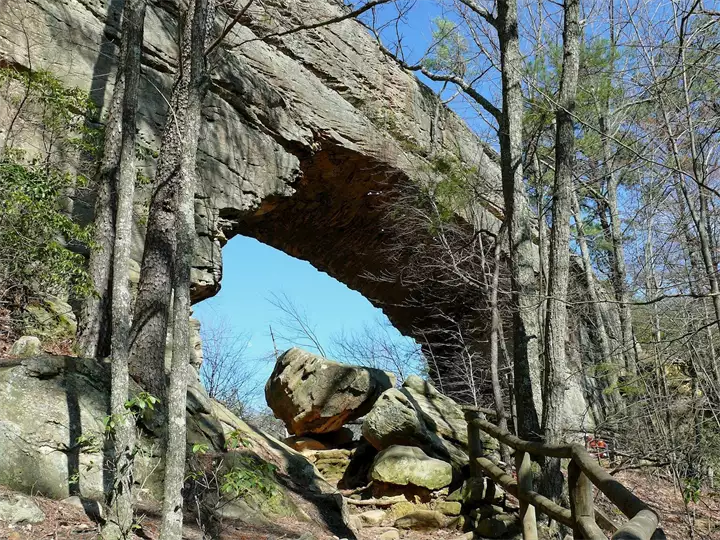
(597, 446)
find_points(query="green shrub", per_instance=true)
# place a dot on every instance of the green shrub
(47, 147)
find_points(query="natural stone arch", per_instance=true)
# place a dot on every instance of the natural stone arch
(298, 132)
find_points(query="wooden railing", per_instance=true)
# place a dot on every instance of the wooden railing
(583, 473)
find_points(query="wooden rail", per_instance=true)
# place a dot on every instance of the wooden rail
(583, 473)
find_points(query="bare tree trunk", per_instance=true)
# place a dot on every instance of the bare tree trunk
(93, 335)
(556, 320)
(198, 16)
(618, 268)
(120, 518)
(523, 255)
(601, 335)
(495, 331)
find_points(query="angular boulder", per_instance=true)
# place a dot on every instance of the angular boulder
(409, 465)
(418, 415)
(441, 414)
(51, 443)
(311, 394)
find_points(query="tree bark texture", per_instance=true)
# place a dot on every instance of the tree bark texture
(153, 301)
(198, 18)
(556, 333)
(120, 515)
(523, 255)
(93, 335)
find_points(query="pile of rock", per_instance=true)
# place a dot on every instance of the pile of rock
(406, 467)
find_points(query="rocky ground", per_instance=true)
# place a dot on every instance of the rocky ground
(65, 520)
(366, 458)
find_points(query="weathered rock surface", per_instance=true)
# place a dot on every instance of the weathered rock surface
(302, 444)
(391, 534)
(441, 414)
(498, 526)
(321, 441)
(484, 511)
(51, 437)
(449, 508)
(331, 463)
(50, 317)
(303, 135)
(418, 415)
(16, 508)
(423, 519)
(26, 346)
(314, 395)
(476, 491)
(318, 111)
(371, 518)
(404, 465)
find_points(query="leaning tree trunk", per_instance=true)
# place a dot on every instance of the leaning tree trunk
(556, 319)
(93, 336)
(154, 296)
(120, 515)
(198, 19)
(523, 256)
(600, 335)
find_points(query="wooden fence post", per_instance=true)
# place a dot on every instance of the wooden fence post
(475, 444)
(582, 505)
(524, 483)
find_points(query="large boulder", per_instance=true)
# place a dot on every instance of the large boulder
(441, 414)
(52, 434)
(409, 465)
(418, 415)
(16, 508)
(314, 395)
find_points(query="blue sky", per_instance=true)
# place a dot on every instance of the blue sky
(253, 272)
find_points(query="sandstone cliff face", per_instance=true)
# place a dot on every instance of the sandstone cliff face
(302, 139)
(301, 134)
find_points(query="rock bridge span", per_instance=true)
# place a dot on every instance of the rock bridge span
(301, 138)
(302, 134)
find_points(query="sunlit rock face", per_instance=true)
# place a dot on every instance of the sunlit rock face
(314, 395)
(303, 137)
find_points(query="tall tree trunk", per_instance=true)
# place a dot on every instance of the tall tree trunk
(93, 335)
(523, 254)
(495, 333)
(556, 319)
(197, 22)
(120, 517)
(153, 301)
(600, 332)
(618, 268)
